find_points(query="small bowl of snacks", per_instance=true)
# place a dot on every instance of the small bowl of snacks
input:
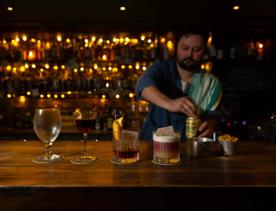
(228, 143)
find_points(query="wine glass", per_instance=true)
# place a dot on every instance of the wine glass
(47, 126)
(84, 121)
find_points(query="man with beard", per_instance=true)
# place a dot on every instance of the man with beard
(180, 89)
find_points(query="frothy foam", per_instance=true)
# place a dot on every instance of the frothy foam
(166, 139)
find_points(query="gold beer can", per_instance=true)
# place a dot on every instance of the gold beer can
(192, 125)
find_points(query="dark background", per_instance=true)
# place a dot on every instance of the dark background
(143, 14)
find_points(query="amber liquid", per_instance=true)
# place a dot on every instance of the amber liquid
(126, 157)
(126, 154)
(85, 125)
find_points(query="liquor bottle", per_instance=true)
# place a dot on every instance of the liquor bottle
(110, 118)
(98, 124)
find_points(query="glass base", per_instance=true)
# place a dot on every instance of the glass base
(84, 159)
(124, 162)
(166, 164)
(47, 159)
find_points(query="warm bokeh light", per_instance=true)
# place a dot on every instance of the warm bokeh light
(131, 95)
(24, 37)
(236, 7)
(10, 9)
(22, 99)
(8, 67)
(32, 55)
(59, 37)
(123, 8)
(260, 45)
(104, 57)
(170, 45)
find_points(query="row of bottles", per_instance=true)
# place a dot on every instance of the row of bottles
(92, 81)
(252, 50)
(59, 47)
(49, 64)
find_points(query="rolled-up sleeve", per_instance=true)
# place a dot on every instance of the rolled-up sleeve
(152, 77)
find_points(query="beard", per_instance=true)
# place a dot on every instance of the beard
(189, 64)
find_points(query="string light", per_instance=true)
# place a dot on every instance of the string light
(10, 9)
(123, 8)
(236, 7)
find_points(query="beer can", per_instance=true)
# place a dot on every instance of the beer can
(192, 125)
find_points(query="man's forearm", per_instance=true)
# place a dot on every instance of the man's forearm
(153, 95)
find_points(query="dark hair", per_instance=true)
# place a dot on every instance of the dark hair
(189, 31)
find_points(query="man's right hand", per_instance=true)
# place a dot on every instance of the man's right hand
(183, 105)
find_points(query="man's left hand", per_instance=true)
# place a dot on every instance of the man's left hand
(207, 128)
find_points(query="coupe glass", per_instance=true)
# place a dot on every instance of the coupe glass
(47, 126)
(84, 121)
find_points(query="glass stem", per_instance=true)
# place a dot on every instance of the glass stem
(85, 137)
(48, 152)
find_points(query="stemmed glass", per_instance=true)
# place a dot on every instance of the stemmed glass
(47, 126)
(84, 121)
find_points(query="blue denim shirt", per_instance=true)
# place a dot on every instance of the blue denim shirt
(164, 76)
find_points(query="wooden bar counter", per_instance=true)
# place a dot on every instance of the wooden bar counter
(244, 181)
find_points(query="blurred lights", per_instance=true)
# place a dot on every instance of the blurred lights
(59, 38)
(9, 67)
(244, 122)
(131, 95)
(22, 69)
(260, 45)
(22, 99)
(236, 7)
(10, 9)
(123, 8)
(170, 45)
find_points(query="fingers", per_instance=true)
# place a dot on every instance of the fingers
(206, 129)
(206, 133)
(188, 107)
(203, 126)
